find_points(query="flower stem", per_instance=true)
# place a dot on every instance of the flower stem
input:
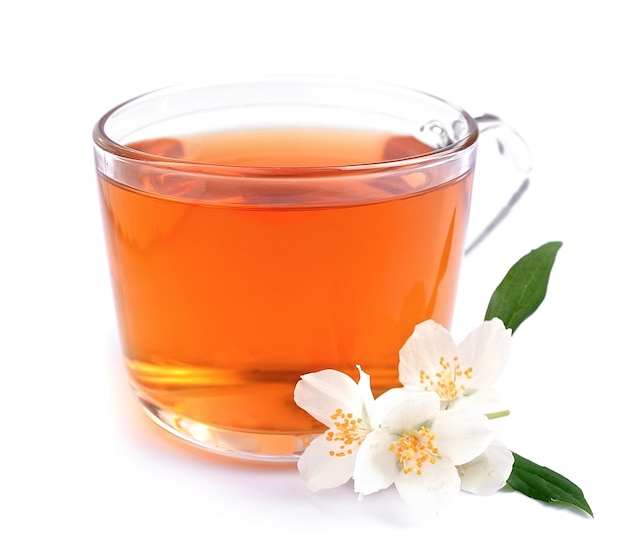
(501, 414)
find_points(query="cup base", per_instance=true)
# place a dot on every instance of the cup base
(246, 445)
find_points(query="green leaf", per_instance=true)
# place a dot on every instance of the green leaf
(524, 287)
(543, 484)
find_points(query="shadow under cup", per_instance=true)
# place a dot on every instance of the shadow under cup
(261, 230)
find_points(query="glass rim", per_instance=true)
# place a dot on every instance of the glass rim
(103, 141)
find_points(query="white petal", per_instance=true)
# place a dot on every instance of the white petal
(481, 402)
(375, 467)
(489, 472)
(486, 349)
(434, 488)
(323, 392)
(414, 410)
(461, 435)
(367, 398)
(423, 350)
(320, 470)
(392, 398)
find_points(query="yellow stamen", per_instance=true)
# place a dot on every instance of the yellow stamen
(415, 449)
(347, 431)
(449, 381)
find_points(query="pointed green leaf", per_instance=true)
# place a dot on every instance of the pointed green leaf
(543, 484)
(524, 287)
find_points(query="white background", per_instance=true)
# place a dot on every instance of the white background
(82, 472)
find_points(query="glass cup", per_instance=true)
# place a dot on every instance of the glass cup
(258, 230)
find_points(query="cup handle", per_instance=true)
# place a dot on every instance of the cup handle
(512, 147)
